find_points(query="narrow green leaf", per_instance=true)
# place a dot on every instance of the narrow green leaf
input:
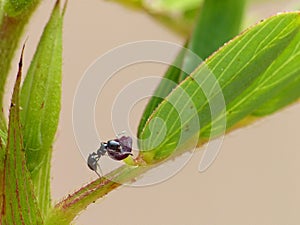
(251, 70)
(11, 29)
(40, 101)
(19, 205)
(218, 22)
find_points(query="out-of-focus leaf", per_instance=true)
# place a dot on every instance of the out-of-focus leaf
(218, 19)
(172, 78)
(40, 101)
(16, 7)
(11, 29)
(219, 22)
(251, 70)
(19, 204)
(175, 5)
(177, 15)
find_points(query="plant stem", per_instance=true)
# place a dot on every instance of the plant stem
(68, 209)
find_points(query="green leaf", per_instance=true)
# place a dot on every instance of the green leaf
(19, 205)
(218, 19)
(218, 22)
(251, 71)
(11, 29)
(40, 101)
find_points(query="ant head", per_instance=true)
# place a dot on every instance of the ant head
(114, 145)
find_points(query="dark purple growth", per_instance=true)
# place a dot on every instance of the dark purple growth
(119, 149)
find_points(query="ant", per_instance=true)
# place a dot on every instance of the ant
(117, 149)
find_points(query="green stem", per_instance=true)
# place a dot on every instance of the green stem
(65, 211)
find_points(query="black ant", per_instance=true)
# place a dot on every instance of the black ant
(117, 149)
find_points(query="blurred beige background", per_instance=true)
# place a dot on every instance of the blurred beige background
(254, 181)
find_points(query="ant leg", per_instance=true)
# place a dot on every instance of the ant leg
(100, 152)
(98, 166)
(93, 164)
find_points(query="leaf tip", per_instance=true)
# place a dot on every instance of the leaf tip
(64, 7)
(19, 75)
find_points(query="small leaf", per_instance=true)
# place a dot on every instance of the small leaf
(40, 101)
(251, 70)
(19, 205)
